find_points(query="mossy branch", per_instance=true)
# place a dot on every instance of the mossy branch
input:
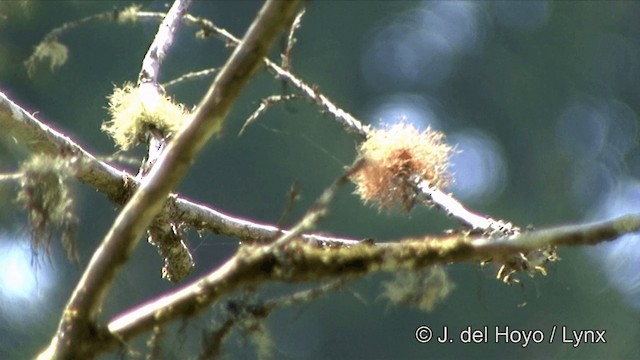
(428, 192)
(51, 49)
(300, 261)
(119, 185)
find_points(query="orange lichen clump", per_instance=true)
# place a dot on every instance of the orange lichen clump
(392, 156)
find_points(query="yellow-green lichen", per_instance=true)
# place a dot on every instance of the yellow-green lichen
(129, 14)
(423, 289)
(135, 110)
(49, 50)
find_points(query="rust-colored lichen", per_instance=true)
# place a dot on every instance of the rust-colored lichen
(395, 154)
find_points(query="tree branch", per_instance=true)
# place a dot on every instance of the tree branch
(41, 138)
(162, 42)
(118, 185)
(300, 261)
(74, 338)
(164, 234)
(429, 193)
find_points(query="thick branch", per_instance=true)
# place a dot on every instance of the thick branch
(300, 261)
(42, 139)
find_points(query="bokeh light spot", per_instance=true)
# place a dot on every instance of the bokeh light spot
(410, 108)
(478, 165)
(23, 283)
(620, 259)
(581, 130)
(418, 48)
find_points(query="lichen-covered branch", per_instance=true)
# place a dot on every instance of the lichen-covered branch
(452, 207)
(118, 185)
(426, 191)
(75, 337)
(300, 261)
(42, 139)
(268, 253)
(317, 211)
(164, 233)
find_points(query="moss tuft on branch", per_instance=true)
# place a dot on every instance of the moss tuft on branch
(392, 156)
(133, 111)
(128, 14)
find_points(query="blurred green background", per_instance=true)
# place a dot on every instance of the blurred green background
(540, 98)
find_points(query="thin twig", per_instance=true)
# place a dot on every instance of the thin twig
(317, 211)
(291, 41)
(265, 104)
(53, 35)
(293, 195)
(350, 123)
(191, 76)
(213, 340)
(11, 177)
